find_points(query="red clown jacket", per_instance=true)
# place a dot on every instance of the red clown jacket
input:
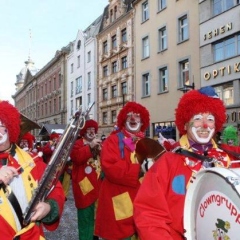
(85, 175)
(159, 204)
(114, 219)
(30, 176)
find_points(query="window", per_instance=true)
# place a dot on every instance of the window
(220, 6)
(71, 94)
(124, 62)
(79, 85)
(226, 93)
(124, 87)
(89, 56)
(72, 68)
(183, 28)
(78, 44)
(89, 80)
(161, 4)
(71, 107)
(54, 83)
(124, 35)
(163, 79)
(105, 47)
(145, 11)
(111, 15)
(88, 98)
(145, 47)
(146, 85)
(78, 61)
(60, 77)
(105, 71)
(104, 93)
(54, 105)
(60, 103)
(78, 103)
(114, 41)
(104, 117)
(162, 39)
(114, 67)
(114, 91)
(184, 73)
(238, 44)
(115, 12)
(226, 48)
(114, 116)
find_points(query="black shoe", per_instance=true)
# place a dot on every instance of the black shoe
(95, 238)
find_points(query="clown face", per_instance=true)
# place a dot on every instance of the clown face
(23, 143)
(133, 122)
(4, 138)
(201, 128)
(90, 134)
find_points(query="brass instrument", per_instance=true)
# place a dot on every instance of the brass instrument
(57, 162)
(148, 148)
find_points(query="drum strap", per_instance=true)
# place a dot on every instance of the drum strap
(207, 161)
(237, 155)
(14, 202)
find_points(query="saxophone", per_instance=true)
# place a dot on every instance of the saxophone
(57, 162)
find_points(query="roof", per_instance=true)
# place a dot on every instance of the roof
(47, 129)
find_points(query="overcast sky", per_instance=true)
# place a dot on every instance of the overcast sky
(39, 28)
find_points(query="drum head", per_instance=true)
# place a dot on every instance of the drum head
(212, 205)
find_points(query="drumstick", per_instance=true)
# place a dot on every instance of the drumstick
(29, 163)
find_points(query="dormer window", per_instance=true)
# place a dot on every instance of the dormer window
(78, 44)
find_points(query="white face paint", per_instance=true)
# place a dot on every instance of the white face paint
(133, 123)
(201, 128)
(200, 139)
(90, 134)
(3, 133)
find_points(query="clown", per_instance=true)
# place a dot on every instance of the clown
(27, 142)
(121, 174)
(50, 146)
(159, 204)
(86, 178)
(230, 145)
(21, 173)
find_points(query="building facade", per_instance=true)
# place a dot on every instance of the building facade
(82, 71)
(43, 97)
(220, 52)
(115, 81)
(166, 58)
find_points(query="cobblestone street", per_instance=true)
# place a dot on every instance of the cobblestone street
(68, 225)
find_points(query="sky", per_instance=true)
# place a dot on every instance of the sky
(38, 28)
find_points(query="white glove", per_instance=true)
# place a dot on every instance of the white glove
(147, 163)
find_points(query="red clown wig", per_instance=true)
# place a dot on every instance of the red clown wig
(10, 117)
(89, 124)
(204, 100)
(135, 108)
(54, 135)
(29, 138)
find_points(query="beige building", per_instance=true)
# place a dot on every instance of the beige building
(166, 57)
(115, 63)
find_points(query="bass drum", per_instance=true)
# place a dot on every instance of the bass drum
(212, 205)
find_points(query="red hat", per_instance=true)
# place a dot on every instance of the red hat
(135, 108)
(10, 117)
(200, 101)
(89, 123)
(29, 138)
(54, 135)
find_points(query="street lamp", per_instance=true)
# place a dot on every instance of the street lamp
(186, 87)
